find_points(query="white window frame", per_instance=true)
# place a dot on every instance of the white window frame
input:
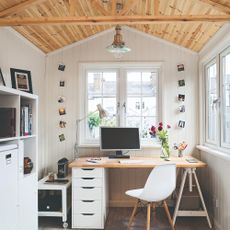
(222, 55)
(206, 80)
(121, 67)
(219, 145)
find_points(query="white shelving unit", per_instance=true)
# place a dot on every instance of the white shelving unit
(27, 147)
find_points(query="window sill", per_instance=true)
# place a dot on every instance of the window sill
(144, 146)
(214, 152)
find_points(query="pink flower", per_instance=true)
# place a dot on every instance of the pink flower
(168, 126)
(160, 124)
(160, 128)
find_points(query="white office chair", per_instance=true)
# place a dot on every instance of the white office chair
(159, 185)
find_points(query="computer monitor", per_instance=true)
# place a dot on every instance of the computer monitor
(118, 139)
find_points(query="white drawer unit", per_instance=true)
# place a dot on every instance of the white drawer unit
(89, 198)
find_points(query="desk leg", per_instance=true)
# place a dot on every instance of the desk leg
(180, 195)
(201, 197)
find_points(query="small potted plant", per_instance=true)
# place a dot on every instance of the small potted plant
(180, 147)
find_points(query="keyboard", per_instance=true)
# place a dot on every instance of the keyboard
(130, 161)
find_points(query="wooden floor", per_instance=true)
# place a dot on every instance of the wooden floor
(118, 220)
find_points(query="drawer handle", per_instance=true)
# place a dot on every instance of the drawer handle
(88, 187)
(88, 178)
(88, 169)
(88, 201)
(87, 214)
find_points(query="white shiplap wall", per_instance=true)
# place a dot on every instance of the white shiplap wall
(17, 52)
(215, 179)
(144, 49)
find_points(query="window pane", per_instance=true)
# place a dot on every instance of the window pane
(212, 94)
(101, 90)
(141, 108)
(226, 99)
(147, 122)
(134, 83)
(133, 106)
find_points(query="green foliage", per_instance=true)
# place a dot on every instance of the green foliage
(93, 120)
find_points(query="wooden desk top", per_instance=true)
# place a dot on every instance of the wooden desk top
(145, 162)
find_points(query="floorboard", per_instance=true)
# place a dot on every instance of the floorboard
(118, 220)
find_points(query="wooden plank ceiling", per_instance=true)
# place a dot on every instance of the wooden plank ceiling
(53, 24)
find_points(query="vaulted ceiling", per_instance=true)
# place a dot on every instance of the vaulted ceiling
(53, 24)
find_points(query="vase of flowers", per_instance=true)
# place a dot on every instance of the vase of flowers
(162, 134)
(180, 147)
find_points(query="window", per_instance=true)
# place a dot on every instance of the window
(212, 95)
(128, 94)
(225, 110)
(217, 80)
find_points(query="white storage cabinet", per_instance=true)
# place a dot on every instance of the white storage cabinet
(89, 198)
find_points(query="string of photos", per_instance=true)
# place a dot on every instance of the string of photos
(181, 95)
(61, 102)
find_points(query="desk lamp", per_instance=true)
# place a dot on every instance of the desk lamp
(102, 113)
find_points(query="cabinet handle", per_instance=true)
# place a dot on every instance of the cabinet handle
(88, 187)
(88, 178)
(88, 201)
(87, 214)
(88, 169)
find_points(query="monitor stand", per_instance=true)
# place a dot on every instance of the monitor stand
(118, 155)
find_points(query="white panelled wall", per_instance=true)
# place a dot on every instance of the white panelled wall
(17, 52)
(144, 49)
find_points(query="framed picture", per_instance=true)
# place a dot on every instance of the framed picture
(180, 67)
(2, 82)
(21, 80)
(181, 97)
(181, 83)
(61, 137)
(62, 83)
(62, 111)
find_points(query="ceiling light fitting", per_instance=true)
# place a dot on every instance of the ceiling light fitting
(118, 47)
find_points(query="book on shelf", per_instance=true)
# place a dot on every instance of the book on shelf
(26, 120)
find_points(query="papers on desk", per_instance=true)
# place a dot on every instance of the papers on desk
(130, 161)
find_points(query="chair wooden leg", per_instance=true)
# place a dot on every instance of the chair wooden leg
(168, 214)
(148, 216)
(133, 214)
(154, 212)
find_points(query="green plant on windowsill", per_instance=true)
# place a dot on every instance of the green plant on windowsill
(93, 120)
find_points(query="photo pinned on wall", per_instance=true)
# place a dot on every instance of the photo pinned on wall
(62, 124)
(62, 83)
(181, 124)
(182, 109)
(181, 83)
(62, 111)
(61, 99)
(180, 67)
(2, 82)
(61, 137)
(61, 67)
(181, 97)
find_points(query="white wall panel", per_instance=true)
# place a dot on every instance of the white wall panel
(144, 49)
(17, 52)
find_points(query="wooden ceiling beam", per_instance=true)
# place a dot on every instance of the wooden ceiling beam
(19, 7)
(217, 6)
(102, 20)
(99, 7)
